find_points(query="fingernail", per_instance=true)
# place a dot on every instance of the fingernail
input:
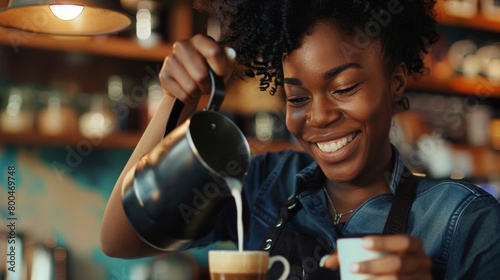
(231, 53)
(323, 260)
(355, 267)
(368, 243)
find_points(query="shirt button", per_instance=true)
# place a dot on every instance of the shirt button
(269, 243)
(279, 223)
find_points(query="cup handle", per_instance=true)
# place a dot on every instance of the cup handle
(286, 265)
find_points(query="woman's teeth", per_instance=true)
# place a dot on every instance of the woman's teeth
(336, 145)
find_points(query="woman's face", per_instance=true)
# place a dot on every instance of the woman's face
(340, 103)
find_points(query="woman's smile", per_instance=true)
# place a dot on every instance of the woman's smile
(337, 150)
(335, 145)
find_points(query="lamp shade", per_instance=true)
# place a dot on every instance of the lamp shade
(98, 17)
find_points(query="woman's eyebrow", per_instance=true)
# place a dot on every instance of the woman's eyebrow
(328, 75)
(339, 69)
(292, 81)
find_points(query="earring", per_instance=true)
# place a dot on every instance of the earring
(404, 102)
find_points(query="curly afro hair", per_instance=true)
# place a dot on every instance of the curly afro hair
(262, 31)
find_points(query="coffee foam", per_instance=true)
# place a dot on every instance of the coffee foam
(238, 262)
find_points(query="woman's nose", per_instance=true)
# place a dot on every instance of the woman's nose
(323, 113)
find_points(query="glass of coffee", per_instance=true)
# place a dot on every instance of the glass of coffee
(243, 265)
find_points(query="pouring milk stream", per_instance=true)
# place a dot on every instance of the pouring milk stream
(236, 186)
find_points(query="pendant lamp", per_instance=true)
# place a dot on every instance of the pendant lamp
(66, 17)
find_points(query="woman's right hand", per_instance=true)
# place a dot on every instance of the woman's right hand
(184, 74)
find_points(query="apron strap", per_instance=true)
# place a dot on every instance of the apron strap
(397, 220)
(288, 210)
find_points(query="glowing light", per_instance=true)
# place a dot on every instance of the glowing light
(66, 11)
(143, 24)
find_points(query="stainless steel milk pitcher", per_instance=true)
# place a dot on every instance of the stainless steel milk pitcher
(176, 196)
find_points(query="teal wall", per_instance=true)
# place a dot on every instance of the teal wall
(61, 195)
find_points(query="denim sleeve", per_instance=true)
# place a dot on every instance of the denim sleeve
(475, 243)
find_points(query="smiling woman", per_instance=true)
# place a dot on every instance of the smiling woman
(343, 67)
(332, 98)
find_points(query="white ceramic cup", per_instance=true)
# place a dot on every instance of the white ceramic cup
(243, 265)
(351, 250)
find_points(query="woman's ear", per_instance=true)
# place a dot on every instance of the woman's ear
(398, 82)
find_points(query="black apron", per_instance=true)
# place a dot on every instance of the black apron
(304, 251)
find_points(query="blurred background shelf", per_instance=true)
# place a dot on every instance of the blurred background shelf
(456, 84)
(112, 46)
(114, 141)
(477, 21)
(484, 160)
(118, 141)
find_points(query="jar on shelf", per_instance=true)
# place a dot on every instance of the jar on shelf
(477, 120)
(148, 23)
(155, 94)
(494, 161)
(490, 9)
(98, 121)
(18, 114)
(494, 132)
(127, 103)
(57, 117)
(462, 8)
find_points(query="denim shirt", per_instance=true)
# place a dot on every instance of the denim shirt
(458, 222)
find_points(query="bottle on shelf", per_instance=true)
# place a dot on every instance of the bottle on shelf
(18, 115)
(148, 25)
(128, 102)
(494, 165)
(98, 121)
(155, 93)
(490, 9)
(117, 101)
(57, 118)
(462, 8)
(477, 122)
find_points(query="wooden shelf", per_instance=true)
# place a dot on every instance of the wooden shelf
(476, 22)
(482, 157)
(457, 84)
(115, 141)
(118, 141)
(102, 45)
(484, 160)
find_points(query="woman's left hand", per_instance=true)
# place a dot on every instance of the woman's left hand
(407, 261)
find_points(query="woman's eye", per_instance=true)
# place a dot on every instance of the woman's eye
(347, 90)
(297, 100)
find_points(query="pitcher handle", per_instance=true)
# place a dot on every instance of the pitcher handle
(216, 97)
(286, 265)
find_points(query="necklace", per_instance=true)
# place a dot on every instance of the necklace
(336, 216)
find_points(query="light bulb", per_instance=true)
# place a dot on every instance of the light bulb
(66, 11)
